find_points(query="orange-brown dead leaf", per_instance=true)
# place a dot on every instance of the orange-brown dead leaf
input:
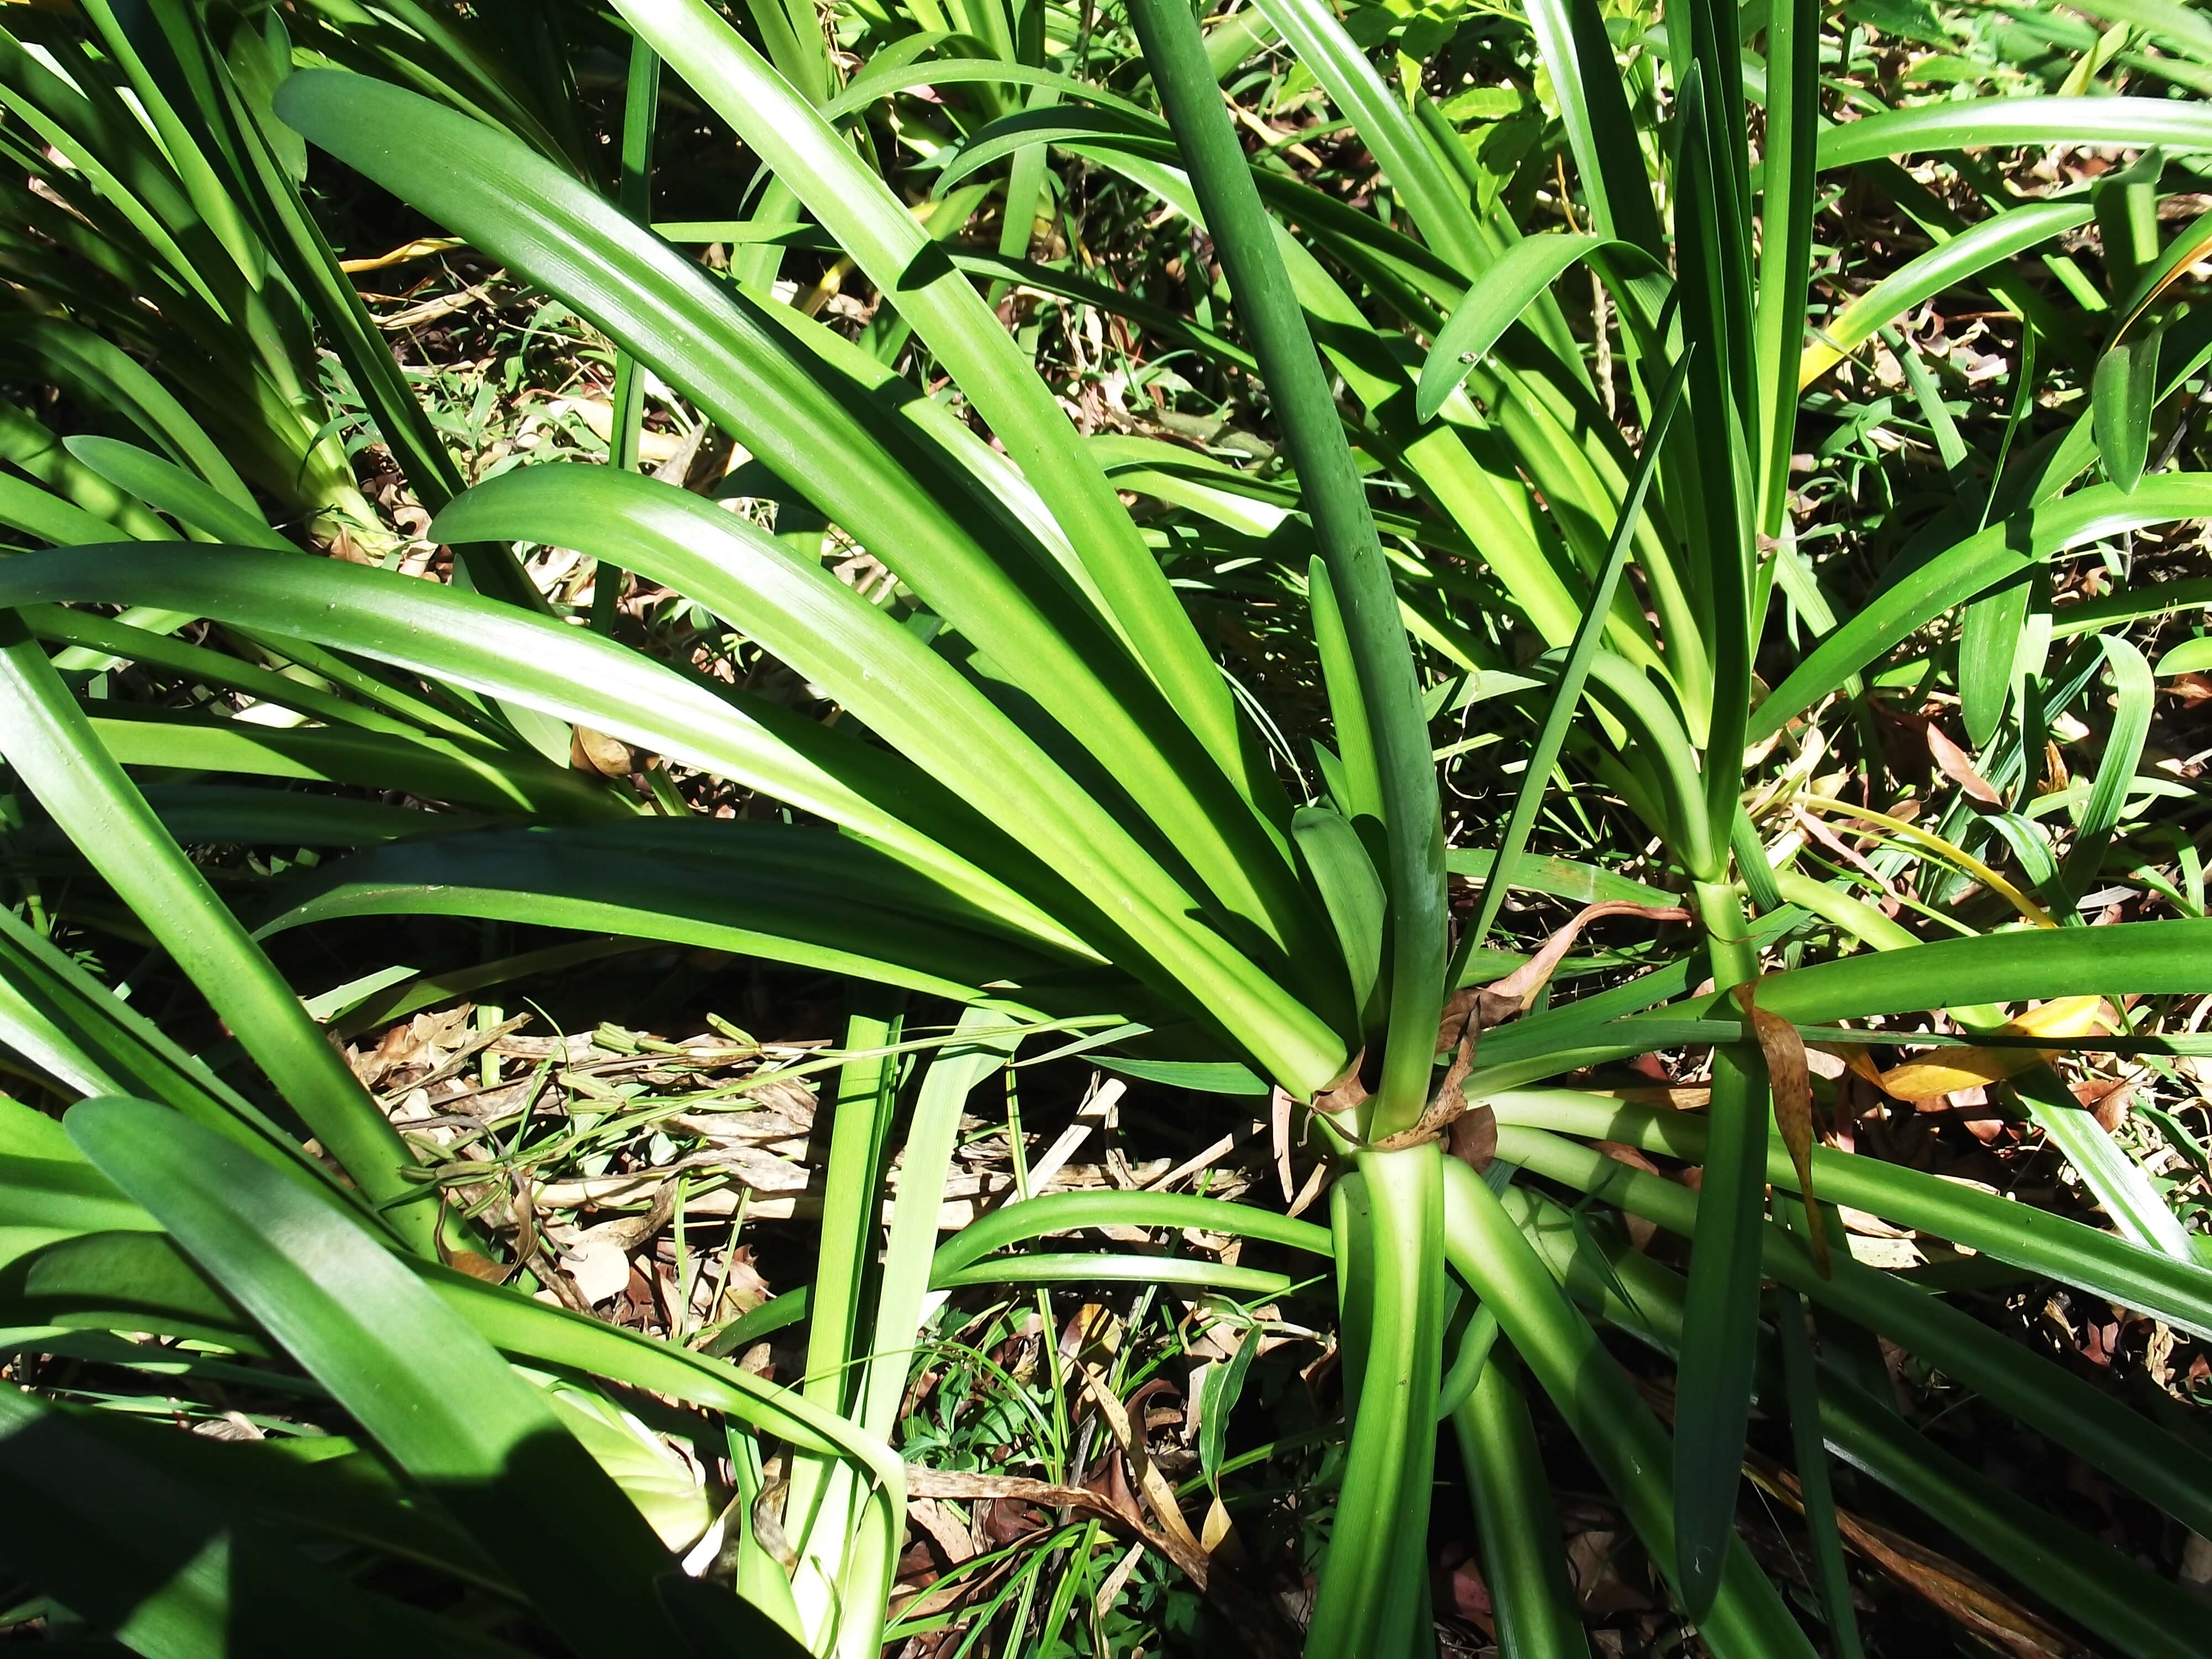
(1979, 1606)
(1789, 1080)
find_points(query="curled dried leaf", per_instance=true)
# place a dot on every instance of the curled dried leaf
(1175, 1540)
(595, 751)
(1480, 1007)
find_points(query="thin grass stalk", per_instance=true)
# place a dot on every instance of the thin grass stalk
(1567, 696)
(1785, 254)
(634, 195)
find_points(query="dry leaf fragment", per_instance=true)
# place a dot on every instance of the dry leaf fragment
(1278, 1129)
(943, 1483)
(950, 1536)
(1956, 764)
(1111, 1591)
(595, 751)
(478, 1265)
(1176, 1541)
(600, 1267)
(1473, 1138)
(1789, 1081)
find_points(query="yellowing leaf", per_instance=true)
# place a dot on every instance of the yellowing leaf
(2065, 1016)
(1954, 1069)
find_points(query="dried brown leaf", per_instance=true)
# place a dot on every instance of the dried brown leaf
(1791, 1082)
(945, 1483)
(1176, 1539)
(595, 751)
(1956, 764)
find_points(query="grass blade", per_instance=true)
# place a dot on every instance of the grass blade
(1593, 110)
(52, 749)
(954, 1072)
(2179, 1292)
(2127, 1604)
(1968, 568)
(1802, 1385)
(1786, 210)
(1624, 1439)
(1514, 282)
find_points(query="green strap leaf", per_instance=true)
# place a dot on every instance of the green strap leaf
(429, 1388)
(1959, 573)
(1720, 1325)
(2123, 397)
(788, 894)
(1435, 200)
(1945, 265)
(919, 702)
(172, 1571)
(2179, 1292)
(1593, 110)
(517, 656)
(1532, 1595)
(60, 1016)
(794, 394)
(2012, 966)
(2134, 692)
(165, 485)
(1351, 889)
(1336, 500)
(56, 754)
(106, 375)
(1789, 202)
(883, 239)
(1494, 303)
(2109, 1592)
(2137, 1207)
(1982, 123)
(1601, 1405)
